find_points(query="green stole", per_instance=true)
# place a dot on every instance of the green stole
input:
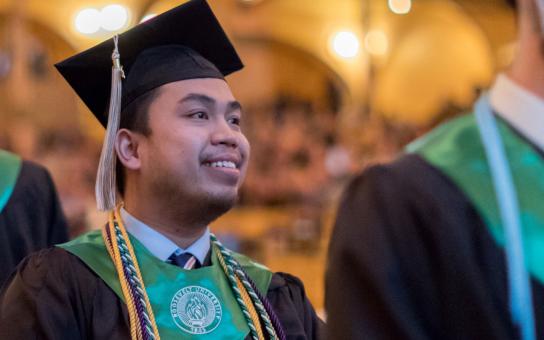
(456, 149)
(193, 304)
(10, 166)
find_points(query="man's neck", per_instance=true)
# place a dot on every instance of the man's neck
(527, 69)
(175, 226)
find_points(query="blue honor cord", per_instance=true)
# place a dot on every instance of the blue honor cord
(521, 306)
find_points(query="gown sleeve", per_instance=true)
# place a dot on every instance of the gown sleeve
(295, 312)
(53, 295)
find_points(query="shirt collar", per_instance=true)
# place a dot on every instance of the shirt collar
(161, 246)
(520, 108)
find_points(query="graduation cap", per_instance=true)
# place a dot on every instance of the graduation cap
(186, 42)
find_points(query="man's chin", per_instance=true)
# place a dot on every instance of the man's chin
(220, 203)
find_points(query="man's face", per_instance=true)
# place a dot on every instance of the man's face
(196, 151)
(538, 15)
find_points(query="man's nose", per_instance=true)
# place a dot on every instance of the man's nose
(225, 134)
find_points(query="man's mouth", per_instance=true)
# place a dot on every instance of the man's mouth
(221, 164)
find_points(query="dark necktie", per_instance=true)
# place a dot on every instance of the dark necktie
(184, 260)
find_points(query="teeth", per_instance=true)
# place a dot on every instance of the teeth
(222, 164)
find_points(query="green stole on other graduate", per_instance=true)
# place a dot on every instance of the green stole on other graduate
(456, 149)
(10, 166)
(193, 304)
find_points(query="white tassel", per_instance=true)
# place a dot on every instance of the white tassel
(105, 188)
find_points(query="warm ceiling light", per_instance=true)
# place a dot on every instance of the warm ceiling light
(113, 17)
(88, 21)
(250, 2)
(400, 6)
(148, 16)
(345, 44)
(376, 42)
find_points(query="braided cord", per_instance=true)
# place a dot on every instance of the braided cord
(250, 307)
(236, 268)
(135, 331)
(138, 328)
(273, 317)
(142, 321)
(252, 320)
(133, 284)
(150, 318)
(256, 300)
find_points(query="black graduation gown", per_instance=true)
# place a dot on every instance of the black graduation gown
(54, 295)
(32, 218)
(410, 258)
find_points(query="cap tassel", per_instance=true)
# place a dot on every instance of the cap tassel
(105, 188)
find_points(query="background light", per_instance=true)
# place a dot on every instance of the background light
(400, 6)
(88, 21)
(250, 2)
(376, 42)
(113, 17)
(148, 16)
(345, 44)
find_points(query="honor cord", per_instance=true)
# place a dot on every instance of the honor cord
(521, 305)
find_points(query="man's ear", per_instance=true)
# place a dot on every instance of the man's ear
(126, 146)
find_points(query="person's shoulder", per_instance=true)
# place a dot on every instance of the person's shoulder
(297, 315)
(33, 169)
(281, 280)
(285, 286)
(406, 174)
(453, 134)
(50, 262)
(425, 170)
(32, 173)
(48, 258)
(35, 180)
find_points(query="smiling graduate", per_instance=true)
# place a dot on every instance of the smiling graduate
(175, 152)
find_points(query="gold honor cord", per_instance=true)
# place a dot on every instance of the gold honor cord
(128, 263)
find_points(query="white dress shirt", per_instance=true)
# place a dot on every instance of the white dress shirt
(521, 108)
(161, 246)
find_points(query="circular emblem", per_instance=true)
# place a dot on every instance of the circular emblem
(196, 310)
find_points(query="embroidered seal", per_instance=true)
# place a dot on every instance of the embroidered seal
(196, 310)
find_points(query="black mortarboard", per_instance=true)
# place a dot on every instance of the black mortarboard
(186, 42)
(153, 53)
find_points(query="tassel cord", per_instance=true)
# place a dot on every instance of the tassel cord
(105, 188)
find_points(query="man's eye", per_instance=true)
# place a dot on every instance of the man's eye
(234, 120)
(199, 115)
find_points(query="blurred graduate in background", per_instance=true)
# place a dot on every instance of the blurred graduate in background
(31, 217)
(447, 242)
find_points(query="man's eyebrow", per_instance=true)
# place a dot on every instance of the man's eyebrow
(199, 98)
(234, 106)
(207, 100)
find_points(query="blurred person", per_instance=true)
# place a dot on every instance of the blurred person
(31, 217)
(155, 270)
(447, 242)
